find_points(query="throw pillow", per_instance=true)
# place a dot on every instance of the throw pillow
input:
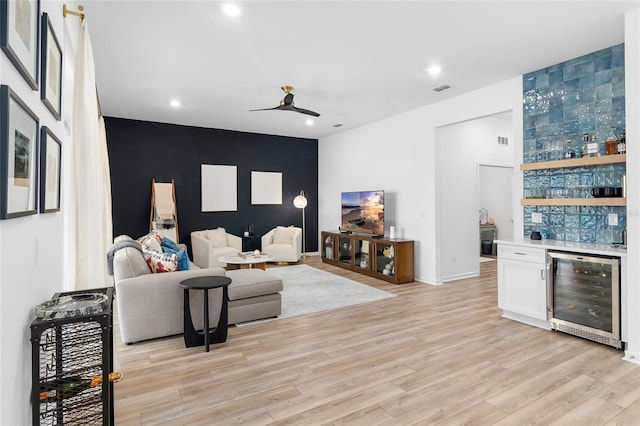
(153, 244)
(160, 262)
(218, 237)
(168, 246)
(151, 240)
(283, 235)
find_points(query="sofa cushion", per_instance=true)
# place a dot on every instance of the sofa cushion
(283, 235)
(252, 282)
(218, 237)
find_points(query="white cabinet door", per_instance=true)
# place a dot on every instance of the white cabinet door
(522, 288)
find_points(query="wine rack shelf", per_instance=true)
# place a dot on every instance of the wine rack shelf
(576, 162)
(72, 359)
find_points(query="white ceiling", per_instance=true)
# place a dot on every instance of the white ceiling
(355, 62)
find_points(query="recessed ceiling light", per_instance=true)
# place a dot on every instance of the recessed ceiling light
(434, 69)
(309, 122)
(231, 9)
(175, 103)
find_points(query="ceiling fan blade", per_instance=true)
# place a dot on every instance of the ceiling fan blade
(267, 109)
(304, 111)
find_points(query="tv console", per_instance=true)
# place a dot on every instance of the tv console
(383, 258)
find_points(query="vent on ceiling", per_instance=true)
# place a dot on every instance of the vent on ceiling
(503, 140)
(441, 88)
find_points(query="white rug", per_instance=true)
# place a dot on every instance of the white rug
(307, 289)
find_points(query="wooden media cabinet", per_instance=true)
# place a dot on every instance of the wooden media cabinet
(387, 259)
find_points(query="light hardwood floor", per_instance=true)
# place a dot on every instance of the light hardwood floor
(434, 355)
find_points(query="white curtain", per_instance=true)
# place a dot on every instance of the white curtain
(91, 179)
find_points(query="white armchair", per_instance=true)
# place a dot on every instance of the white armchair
(208, 245)
(283, 243)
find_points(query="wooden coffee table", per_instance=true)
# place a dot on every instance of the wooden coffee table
(246, 260)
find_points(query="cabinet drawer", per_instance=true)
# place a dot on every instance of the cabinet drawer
(522, 253)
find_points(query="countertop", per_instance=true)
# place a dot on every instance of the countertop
(603, 249)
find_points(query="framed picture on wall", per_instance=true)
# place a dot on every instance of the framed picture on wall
(219, 188)
(50, 163)
(19, 36)
(18, 156)
(51, 84)
(266, 187)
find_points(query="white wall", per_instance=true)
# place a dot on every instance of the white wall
(459, 149)
(632, 105)
(31, 252)
(398, 154)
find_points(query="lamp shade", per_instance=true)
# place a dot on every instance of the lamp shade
(300, 201)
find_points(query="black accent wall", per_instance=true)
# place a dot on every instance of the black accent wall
(140, 151)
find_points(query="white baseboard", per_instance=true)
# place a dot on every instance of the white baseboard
(632, 357)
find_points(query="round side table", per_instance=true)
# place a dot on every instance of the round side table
(219, 335)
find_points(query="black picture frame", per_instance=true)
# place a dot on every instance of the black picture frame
(19, 134)
(50, 167)
(20, 36)
(51, 70)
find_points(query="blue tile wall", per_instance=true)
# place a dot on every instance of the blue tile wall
(561, 103)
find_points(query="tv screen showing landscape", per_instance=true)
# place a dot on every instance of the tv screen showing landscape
(363, 212)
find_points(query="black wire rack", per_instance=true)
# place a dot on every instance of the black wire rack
(68, 352)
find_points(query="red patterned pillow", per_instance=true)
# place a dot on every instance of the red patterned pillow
(160, 262)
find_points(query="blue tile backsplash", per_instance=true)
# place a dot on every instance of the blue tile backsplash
(560, 104)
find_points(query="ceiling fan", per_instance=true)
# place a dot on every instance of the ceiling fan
(286, 104)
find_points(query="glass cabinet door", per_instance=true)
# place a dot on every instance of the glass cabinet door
(344, 250)
(583, 294)
(361, 251)
(327, 247)
(385, 255)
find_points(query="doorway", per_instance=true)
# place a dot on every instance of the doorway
(495, 195)
(487, 141)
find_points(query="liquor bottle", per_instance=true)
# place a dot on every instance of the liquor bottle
(593, 149)
(622, 143)
(585, 142)
(611, 143)
(68, 387)
(569, 153)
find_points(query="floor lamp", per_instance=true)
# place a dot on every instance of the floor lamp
(300, 202)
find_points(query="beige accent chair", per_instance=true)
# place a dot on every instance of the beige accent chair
(283, 243)
(208, 245)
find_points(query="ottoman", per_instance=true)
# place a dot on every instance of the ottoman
(253, 294)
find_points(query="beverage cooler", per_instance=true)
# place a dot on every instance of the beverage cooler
(584, 296)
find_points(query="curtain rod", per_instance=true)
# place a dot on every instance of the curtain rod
(66, 11)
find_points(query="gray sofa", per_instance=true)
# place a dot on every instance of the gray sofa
(150, 305)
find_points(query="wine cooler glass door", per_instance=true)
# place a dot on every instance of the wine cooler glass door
(585, 293)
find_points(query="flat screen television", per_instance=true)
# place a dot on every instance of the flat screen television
(363, 212)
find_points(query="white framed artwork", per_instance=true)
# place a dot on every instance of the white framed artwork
(266, 187)
(219, 188)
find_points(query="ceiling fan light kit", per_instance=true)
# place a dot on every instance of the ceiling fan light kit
(287, 104)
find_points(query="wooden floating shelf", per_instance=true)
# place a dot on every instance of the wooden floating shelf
(574, 201)
(576, 162)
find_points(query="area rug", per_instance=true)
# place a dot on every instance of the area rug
(307, 289)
